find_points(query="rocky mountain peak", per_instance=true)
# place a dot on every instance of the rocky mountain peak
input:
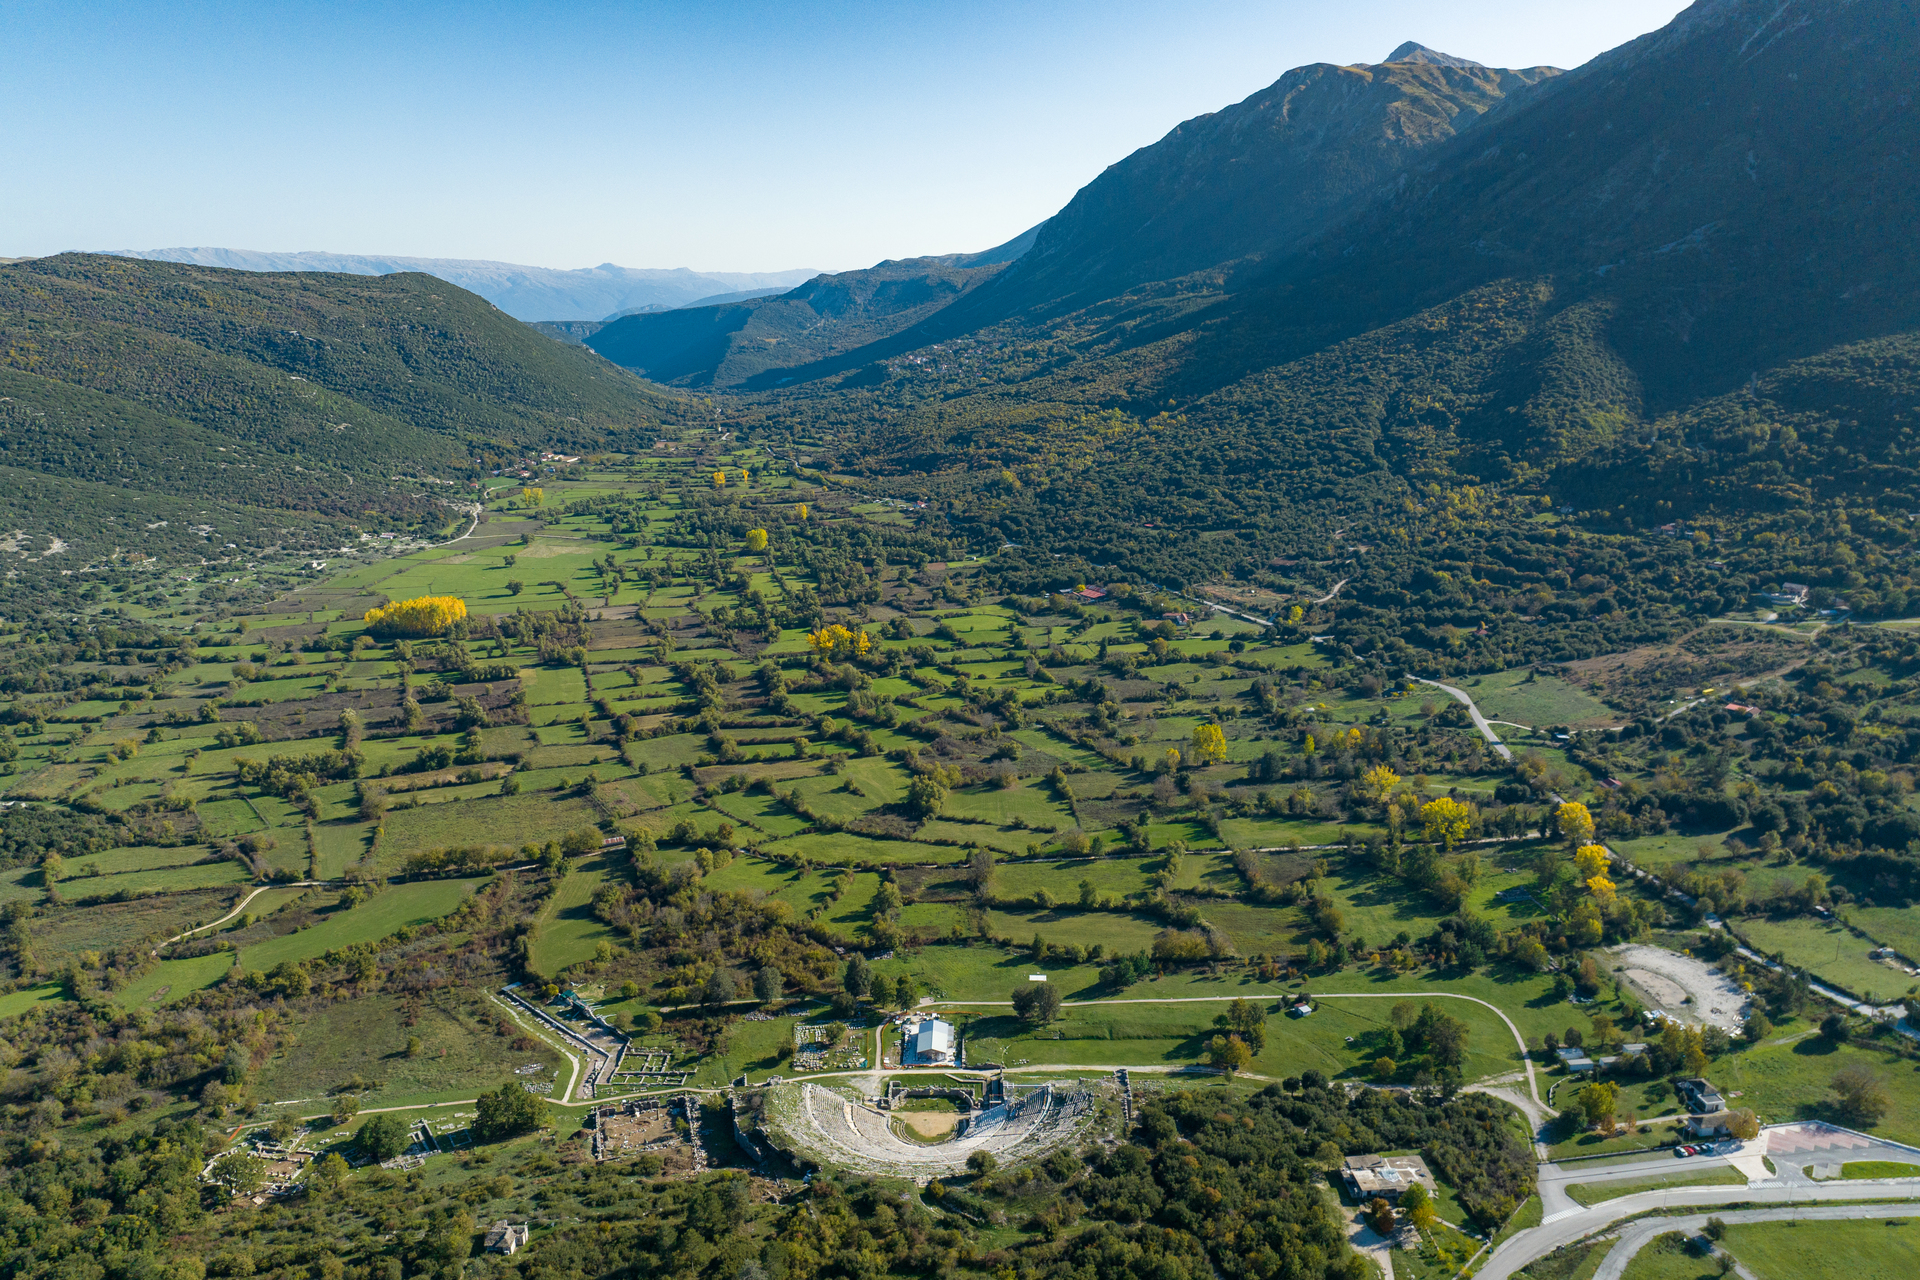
(1412, 51)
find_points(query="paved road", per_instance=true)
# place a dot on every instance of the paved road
(1537, 1242)
(1336, 591)
(1518, 1039)
(1480, 722)
(1556, 1178)
(1636, 1237)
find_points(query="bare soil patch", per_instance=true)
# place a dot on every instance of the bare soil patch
(1637, 679)
(1684, 986)
(929, 1124)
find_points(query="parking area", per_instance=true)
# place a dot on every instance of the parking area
(1813, 1152)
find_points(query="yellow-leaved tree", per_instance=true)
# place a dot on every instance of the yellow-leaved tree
(756, 540)
(533, 497)
(835, 641)
(1209, 745)
(1591, 861)
(802, 511)
(719, 479)
(1576, 824)
(417, 618)
(1377, 783)
(1446, 820)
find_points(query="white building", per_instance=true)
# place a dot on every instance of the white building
(931, 1043)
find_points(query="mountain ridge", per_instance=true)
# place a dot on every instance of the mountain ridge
(753, 341)
(522, 291)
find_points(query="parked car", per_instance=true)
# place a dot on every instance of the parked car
(1680, 1153)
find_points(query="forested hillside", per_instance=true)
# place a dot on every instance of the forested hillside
(160, 410)
(1673, 287)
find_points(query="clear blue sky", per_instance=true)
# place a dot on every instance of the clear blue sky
(736, 136)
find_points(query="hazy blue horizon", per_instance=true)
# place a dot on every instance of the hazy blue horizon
(743, 138)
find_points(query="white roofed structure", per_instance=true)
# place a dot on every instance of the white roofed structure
(932, 1042)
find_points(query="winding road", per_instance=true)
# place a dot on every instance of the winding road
(1637, 1236)
(1480, 722)
(1530, 1245)
(242, 906)
(1519, 1040)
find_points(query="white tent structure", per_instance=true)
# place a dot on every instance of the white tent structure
(932, 1043)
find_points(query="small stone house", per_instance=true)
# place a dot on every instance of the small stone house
(506, 1237)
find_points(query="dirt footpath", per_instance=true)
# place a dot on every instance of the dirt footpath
(1686, 987)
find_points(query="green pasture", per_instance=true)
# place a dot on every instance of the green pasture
(172, 980)
(1521, 695)
(15, 1003)
(1870, 1249)
(566, 931)
(461, 1051)
(385, 913)
(508, 821)
(1591, 1193)
(131, 884)
(1829, 951)
(1783, 1082)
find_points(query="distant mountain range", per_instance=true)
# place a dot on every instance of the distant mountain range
(604, 292)
(755, 341)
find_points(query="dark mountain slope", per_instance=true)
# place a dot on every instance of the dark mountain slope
(1167, 229)
(1542, 300)
(1253, 179)
(762, 340)
(1731, 192)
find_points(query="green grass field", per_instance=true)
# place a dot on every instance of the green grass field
(1667, 1259)
(381, 915)
(1590, 1193)
(1792, 1082)
(1877, 1249)
(1897, 927)
(15, 1003)
(172, 980)
(1118, 932)
(460, 1052)
(567, 932)
(1829, 951)
(1530, 699)
(114, 861)
(133, 884)
(509, 821)
(1879, 1169)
